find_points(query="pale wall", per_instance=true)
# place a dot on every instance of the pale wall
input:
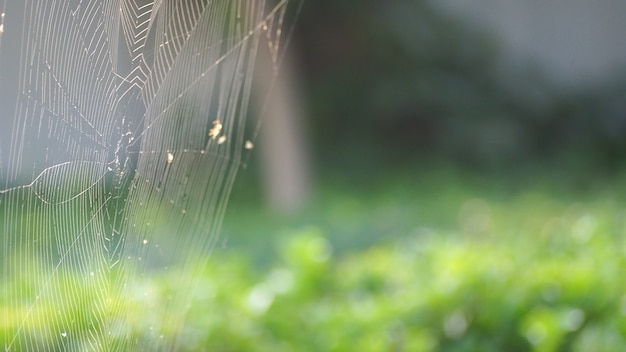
(576, 42)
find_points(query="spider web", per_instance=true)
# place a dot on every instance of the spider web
(127, 132)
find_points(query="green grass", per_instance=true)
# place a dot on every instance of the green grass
(357, 211)
(439, 260)
(449, 260)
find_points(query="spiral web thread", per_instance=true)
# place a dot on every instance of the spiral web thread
(129, 127)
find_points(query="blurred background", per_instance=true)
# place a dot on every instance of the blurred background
(371, 88)
(369, 92)
(440, 175)
(429, 176)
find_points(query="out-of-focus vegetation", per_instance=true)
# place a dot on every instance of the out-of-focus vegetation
(400, 251)
(461, 207)
(391, 81)
(448, 261)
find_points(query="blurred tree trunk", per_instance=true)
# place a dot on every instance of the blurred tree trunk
(284, 146)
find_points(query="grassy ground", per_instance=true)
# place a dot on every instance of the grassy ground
(435, 259)
(444, 260)
(357, 211)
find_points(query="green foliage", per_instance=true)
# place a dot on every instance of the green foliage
(538, 269)
(423, 293)
(429, 292)
(388, 81)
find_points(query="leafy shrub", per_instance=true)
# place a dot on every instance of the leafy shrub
(528, 272)
(429, 293)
